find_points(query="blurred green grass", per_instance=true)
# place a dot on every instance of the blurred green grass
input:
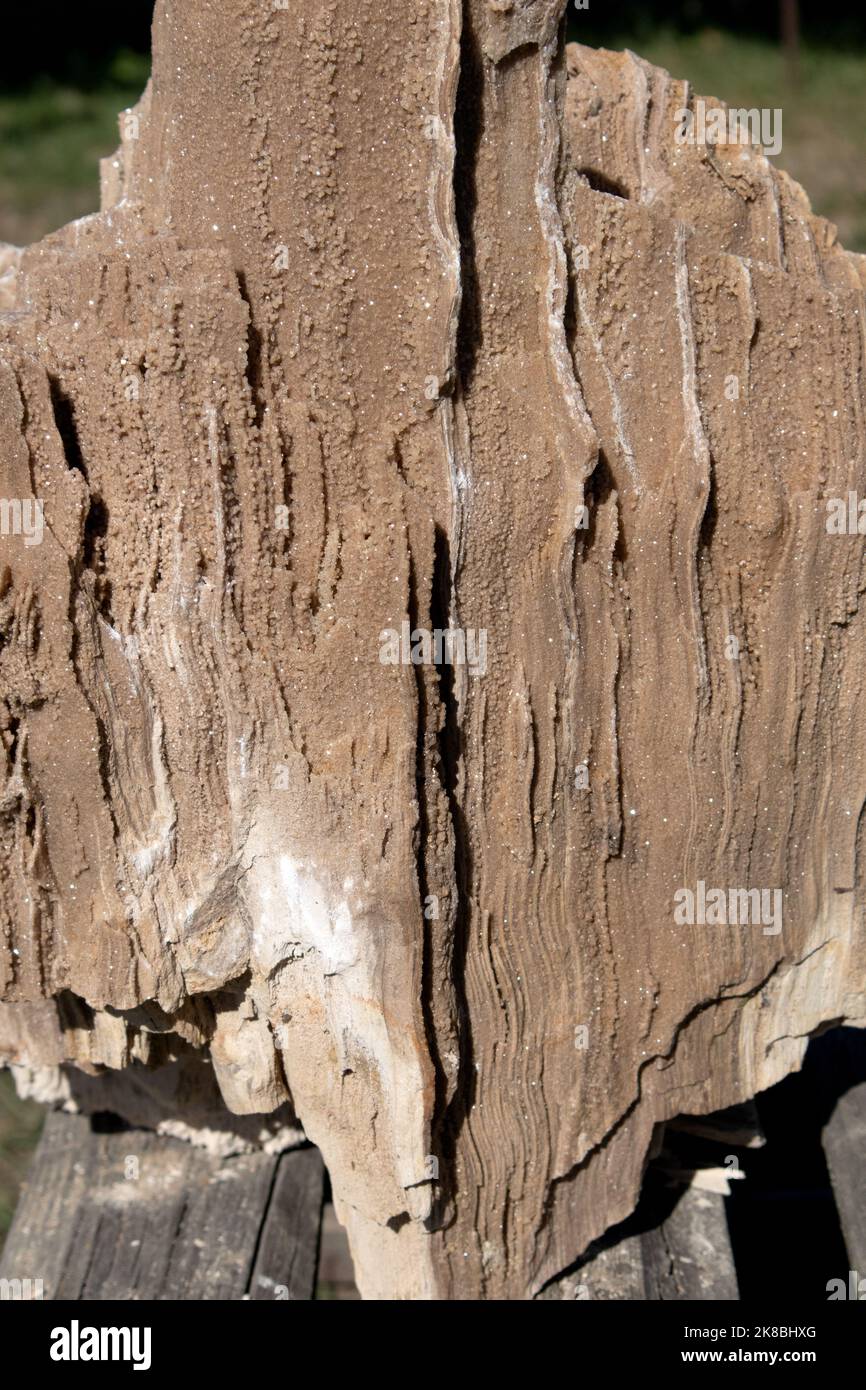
(20, 1126)
(823, 115)
(52, 137)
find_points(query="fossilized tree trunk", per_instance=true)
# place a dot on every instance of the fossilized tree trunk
(404, 315)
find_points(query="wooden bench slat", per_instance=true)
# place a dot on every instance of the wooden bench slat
(844, 1141)
(288, 1251)
(135, 1215)
(689, 1255)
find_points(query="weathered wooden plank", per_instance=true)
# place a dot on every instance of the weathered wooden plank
(844, 1141)
(688, 1256)
(287, 1257)
(614, 1274)
(37, 1243)
(672, 1248)
(134, 1215)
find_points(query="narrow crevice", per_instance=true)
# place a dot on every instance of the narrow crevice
(450, 1113)
(64, 419)
(569, 312)
(103, 746)
(451, 751)
(95, 530)
(440, 616)
(705, 583)
(468, 133)
(422, 836)
(12, 738)
(446, 746)
(94, 555)
(255, 353)
(710, 519)
(599, 489)
(602, 183)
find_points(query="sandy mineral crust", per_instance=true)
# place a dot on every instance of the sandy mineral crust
(407, 314)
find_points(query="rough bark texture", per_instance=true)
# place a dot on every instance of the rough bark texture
(380, 299)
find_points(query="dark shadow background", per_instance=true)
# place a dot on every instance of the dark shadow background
(77, 44)
(837, 22)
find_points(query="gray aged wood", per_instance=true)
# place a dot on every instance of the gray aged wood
(615, 1274)
(844, 1142)
(134, 1215)
(687, 1255)
(287, 1256)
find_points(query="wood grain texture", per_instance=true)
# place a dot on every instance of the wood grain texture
(133, 1215)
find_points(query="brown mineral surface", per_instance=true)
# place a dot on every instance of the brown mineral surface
(402, 321)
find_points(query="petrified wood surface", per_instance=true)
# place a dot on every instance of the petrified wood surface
(404, 315)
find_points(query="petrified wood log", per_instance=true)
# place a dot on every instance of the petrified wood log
(396, 322)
